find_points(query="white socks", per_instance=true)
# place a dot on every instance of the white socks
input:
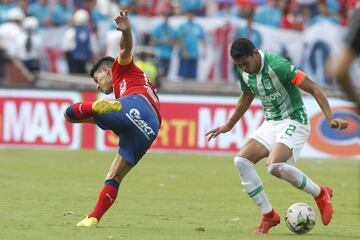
(295, 177)
(252, 183)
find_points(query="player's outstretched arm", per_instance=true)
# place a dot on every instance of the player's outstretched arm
(242, 106)
(342, 74)
(126, 42)
(312, 88)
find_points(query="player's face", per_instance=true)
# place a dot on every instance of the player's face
(250, 64)
(103, 80)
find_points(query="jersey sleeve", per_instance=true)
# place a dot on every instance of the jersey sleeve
(285, 71)
(243, 85)
(119, 67)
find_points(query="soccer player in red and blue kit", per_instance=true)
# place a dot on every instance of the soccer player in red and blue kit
(134, 116)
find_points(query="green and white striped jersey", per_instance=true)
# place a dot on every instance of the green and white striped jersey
(281, 98)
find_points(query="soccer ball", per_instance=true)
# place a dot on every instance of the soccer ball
(300, 218)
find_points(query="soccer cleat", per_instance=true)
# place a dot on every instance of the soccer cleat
(267, 223)
(106, 106)
(323, 201)
(88, 222)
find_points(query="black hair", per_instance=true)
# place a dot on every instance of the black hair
(241, 47)
(102, 61)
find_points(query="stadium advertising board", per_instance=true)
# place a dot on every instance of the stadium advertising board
(186, 120)
(35, 119)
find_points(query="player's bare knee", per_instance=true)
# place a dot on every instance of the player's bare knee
(276, 169)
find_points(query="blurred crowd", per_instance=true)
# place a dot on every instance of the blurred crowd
(293, 14)
(21, 21)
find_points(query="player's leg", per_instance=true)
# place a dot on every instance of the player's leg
(137, 126)
(84, 110)
(245, 162)
(118, 170)
(278, 167)
(288, 145)
(256, 149)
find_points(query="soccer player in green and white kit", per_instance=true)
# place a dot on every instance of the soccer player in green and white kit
(282, 135)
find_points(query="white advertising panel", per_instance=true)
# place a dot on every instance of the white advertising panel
(35, 119)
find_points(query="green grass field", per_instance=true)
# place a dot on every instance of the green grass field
(43, 194)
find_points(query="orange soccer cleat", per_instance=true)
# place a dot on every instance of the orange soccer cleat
(323, 201)
(268, 221)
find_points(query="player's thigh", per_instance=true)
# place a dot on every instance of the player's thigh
(136, 141)
(253, 150)
(265, 135)
(144, 127)
(115, 121)
(280, 153)
(118, 169)
(291, 137)
(260, 143)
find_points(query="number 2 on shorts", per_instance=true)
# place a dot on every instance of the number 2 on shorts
(289, 131)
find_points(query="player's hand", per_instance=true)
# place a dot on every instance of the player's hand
(216, 131)
(338, 123)
(122, 21)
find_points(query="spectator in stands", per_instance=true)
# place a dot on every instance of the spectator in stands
(324, 15)
(10, 32)
(146, 62)
(333, 6)
(163, 37)
(243, 9)
(61, 14)
(194, 6)
(310, 5)
(269, 14)
(250, 32)
(108, 8)
(307, 14)
(145, 7)
(5, 6)
(224, 10)
(95, 16)
(292, 18)
(30, 45)
(79, 43)
(189, 35)
(164, 7)
(40, 9)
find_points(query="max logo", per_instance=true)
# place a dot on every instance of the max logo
(333, 141)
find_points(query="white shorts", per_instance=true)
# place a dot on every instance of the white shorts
(289, 132)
